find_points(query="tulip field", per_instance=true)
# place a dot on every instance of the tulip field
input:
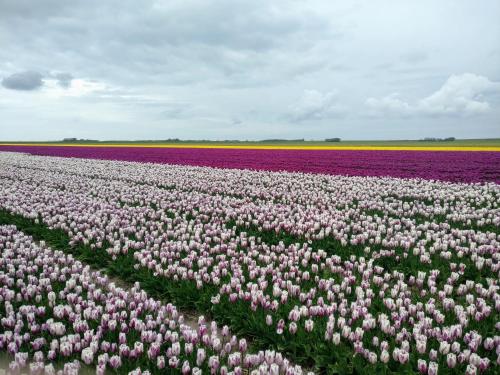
(134, 267)
(459, 165)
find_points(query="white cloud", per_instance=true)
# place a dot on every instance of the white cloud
(463, 94)
(315, 105)
(390, 103)
(76, 88)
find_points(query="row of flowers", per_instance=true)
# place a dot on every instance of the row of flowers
(371, 264)
(455, 166)
(56, 310)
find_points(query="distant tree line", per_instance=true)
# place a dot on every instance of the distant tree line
(79, 140)
(332, 140)
(432, 139)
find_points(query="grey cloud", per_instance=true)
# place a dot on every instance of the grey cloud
(24, 81)
(191, 64)
(225, 43)
(28, 10)
(64, 79)
(236, 25)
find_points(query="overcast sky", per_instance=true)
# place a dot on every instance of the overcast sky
(128, 69)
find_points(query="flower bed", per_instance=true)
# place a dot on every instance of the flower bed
(54, 309)
(457, 166)
(345, 274)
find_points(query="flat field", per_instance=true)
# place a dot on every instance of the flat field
(458, 165)
(285, 273)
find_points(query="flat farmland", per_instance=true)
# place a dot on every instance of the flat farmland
(284, 272)
(457, 164)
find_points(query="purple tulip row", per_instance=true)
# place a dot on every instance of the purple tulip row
(413, 276)
(457, 166)
(57, 309)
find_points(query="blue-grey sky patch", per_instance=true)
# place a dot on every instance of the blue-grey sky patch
(234, 69)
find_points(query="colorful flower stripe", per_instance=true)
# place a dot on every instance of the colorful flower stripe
(266, 147)
(440, 165)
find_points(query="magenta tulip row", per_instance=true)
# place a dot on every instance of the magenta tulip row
(457, 166)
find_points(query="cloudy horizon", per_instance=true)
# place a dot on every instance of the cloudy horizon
(249, 69)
